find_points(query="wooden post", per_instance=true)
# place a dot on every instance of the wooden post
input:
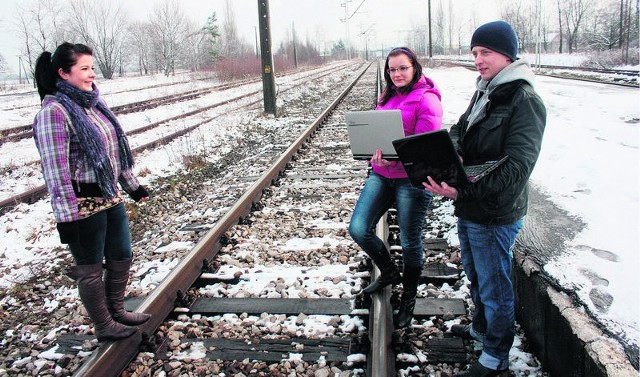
(268, 73)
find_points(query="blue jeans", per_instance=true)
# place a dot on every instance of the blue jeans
(487, 253)
(378, 195)
(104, 235)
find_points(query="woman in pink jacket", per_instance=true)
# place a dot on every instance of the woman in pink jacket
(418, 98)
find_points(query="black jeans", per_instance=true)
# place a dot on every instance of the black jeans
(104, 235)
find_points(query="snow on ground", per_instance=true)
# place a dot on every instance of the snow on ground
(589, 166)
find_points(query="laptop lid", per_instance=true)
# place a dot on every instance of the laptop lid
(374, 129)
(433, 154)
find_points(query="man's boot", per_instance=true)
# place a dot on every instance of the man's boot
(388, 273)
(116, 279)
(91, 290)
(410, 279)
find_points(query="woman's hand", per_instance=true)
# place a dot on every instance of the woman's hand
(442, 189)
(377, 158)
(140, 194)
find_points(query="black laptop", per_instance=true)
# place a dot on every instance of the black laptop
(433, 154)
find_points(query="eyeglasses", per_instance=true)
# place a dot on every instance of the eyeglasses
(401, 69)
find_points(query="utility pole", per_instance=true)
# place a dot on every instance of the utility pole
(430, 45)
(366, 48)
(365, 35)
(268, 74)
(346, 20)
(255, 29)
(538, 33)
(295, 52)
(20, 69)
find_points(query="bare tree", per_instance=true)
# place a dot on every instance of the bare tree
(601, 30)
(23, 23)
(452, 26)
(630, 26)
(546, 24)
(140, 37)
(520, 16)
(4, 67)
(169, 29)
(99, 24)
(39, 25)
(438, 28)
(231, 46)
(194, 56)
(573, 13)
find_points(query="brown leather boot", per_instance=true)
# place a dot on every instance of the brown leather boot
(116, 279)
(91, 290)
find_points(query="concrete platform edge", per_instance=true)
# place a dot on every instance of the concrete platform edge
(562, 336)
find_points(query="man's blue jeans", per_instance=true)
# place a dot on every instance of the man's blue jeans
(487, 253)
(411, 204)
(104, 235)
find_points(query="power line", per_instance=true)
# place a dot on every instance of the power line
(356, 11)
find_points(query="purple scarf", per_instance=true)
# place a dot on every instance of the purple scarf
(74, 99)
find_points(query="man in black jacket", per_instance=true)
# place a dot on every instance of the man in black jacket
(505, 117)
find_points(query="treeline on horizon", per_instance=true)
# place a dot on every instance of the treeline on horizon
(168, 40)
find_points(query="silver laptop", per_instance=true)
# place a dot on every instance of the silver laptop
(374, 129)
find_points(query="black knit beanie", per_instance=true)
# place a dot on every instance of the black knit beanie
(498, 36)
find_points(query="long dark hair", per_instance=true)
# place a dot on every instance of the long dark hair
(47, 65)
(390, 89)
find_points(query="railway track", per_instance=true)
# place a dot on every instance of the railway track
(246, 299)
(178, 284)
(619, 77)
(227, 299)
(261, 277)
(34, 93)
(35, 193)
(13, 134)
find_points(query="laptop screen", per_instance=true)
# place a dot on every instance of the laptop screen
(374, 129)
(433, 154)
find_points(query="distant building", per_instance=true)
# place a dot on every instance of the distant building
(551, 43)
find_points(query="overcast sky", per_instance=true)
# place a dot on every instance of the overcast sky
(385, 22)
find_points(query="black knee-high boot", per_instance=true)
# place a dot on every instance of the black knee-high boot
(91, 290)
(388, 272)
(410, 280)
(116, 279)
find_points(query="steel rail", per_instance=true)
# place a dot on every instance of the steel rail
(629, 72)
(113, 357)
(631, 84)
(586, 79)
(380, 361)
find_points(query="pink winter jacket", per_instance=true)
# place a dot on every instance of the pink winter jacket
(421, 112)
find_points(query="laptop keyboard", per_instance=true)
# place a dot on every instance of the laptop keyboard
(474, 170)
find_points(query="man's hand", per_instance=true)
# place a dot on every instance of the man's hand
(442, 189)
